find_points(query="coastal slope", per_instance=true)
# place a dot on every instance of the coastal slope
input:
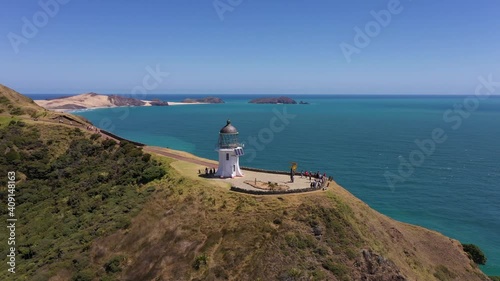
(101, 210)
(198, 231)
(13, 103)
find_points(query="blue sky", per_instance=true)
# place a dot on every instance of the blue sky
(260, 46)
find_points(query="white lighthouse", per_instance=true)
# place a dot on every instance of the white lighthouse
(230, 151)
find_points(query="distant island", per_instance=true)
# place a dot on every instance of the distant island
(157, 102)
(274, 100)
(204, 100)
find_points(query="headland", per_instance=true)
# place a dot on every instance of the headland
(95, 101)
(179, 225)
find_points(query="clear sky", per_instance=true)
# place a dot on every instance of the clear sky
(260, 46)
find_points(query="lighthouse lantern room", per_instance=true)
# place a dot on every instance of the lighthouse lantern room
(229, 152)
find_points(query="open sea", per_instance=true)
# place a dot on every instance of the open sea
(367, 143)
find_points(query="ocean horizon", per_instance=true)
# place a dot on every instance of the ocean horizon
(382, 148)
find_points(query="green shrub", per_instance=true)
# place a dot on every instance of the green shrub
(122, 222)
(298, 241)
(95, 136)
(12, 155)
(475, 253)
(338, 270)
(4, 100)
(16, 111)
(200, 261)
(84, 275)
(318, 274)
(152, 173)
(146, 157)
(77, 132)
(321, 251)
(294, 273)
(107, 143)
(114, 264)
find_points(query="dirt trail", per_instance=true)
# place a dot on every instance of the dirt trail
(164, 152)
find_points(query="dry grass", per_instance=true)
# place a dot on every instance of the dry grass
(191, 171)
(192, 221)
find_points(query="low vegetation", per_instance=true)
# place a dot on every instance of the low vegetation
(475, 253)
(72, 189)
(442, 273)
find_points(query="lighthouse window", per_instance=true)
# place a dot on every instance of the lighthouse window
(234, 168)
(227, 156)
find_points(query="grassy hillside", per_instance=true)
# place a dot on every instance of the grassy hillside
(13, 105)
(91, 209)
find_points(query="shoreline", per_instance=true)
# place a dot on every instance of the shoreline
(173, 103)
(43, 103)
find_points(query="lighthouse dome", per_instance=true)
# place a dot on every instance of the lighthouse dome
(228, 129)
(228, 137)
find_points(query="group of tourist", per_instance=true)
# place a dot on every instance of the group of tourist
(208, 171)
(92, 128)
(322, 182)
(309, 174)
(60, 121)
(316, 175)
(317, 179)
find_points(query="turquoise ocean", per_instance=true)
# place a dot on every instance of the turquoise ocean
(453, 188)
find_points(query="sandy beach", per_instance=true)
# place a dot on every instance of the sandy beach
(185, 103)
(96, 101)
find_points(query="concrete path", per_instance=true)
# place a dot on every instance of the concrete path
(299, 183)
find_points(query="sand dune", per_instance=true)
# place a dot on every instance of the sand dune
(90, 100)
(93, 100)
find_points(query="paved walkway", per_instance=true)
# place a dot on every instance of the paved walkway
(299, 183)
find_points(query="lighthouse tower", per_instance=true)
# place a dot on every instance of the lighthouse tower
(229, 152)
